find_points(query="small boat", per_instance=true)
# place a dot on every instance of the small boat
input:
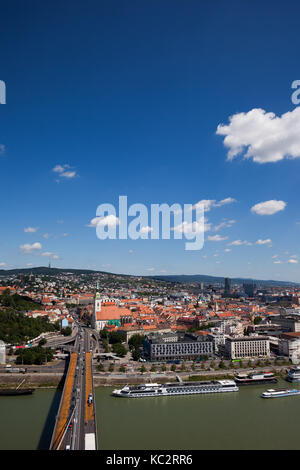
(280, 392)
(255, 378)
(293, 374)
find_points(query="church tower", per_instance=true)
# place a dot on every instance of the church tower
(97, 308)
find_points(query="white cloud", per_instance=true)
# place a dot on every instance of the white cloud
(145, 229)
(208, 204)
(198, 226)
(2, 265)
(240, 242)
(226, 224)
(27, 248)
(48, 254)
(30, 229)
(268, 207)
(267, 241)
(227, 200)
(2, 149)
(262, 136)
(216, 238)
(109, 221)
(293, 261)
(64, 171)
(277, 262)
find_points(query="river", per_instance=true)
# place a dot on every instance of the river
(237, 420)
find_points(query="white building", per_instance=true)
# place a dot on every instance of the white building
(2, 353)
(247, 347)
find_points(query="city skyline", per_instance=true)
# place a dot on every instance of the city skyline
(191, 105)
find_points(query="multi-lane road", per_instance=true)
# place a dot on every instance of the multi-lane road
(76, 425)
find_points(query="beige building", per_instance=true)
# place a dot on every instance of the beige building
(247, 347)
(289, 345)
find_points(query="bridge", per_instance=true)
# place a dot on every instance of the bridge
(75, 426)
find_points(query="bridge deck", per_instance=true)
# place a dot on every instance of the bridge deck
(64, 410)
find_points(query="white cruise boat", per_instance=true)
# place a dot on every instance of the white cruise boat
(293, 375)
(176, 388)
(280, 392)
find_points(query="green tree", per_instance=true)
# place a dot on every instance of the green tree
(116, 337)
(136, 341)
(135, 354)
(119, 349)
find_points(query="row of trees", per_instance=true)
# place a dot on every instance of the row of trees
(36, 355)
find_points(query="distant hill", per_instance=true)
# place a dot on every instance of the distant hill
(186, 278)
(181, 278)
(45, 271)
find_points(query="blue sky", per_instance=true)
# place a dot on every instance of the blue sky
(127, 98)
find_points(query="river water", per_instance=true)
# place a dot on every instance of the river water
(237, 420)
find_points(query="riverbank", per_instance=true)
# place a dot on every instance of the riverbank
(103, 379)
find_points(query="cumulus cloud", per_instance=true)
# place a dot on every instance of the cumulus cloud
(198, 226)
(268, 207)
(292, 261)
(109, 221)
(208, 204)
(27, 248)
(30, 229)
(262, 136)
(267, 241)
(146, 229)
(64, 171)
(216, 238)
(225, 223)
(240, 242)
(48, 254)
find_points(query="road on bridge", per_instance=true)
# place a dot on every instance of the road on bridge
(75, 427)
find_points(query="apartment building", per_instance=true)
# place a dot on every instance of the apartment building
(176, 346)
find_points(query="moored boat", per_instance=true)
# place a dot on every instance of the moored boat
(255, 378)
(280, 392)
(176, 388)
(13, 392)
(293, 375)
(16, 391)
